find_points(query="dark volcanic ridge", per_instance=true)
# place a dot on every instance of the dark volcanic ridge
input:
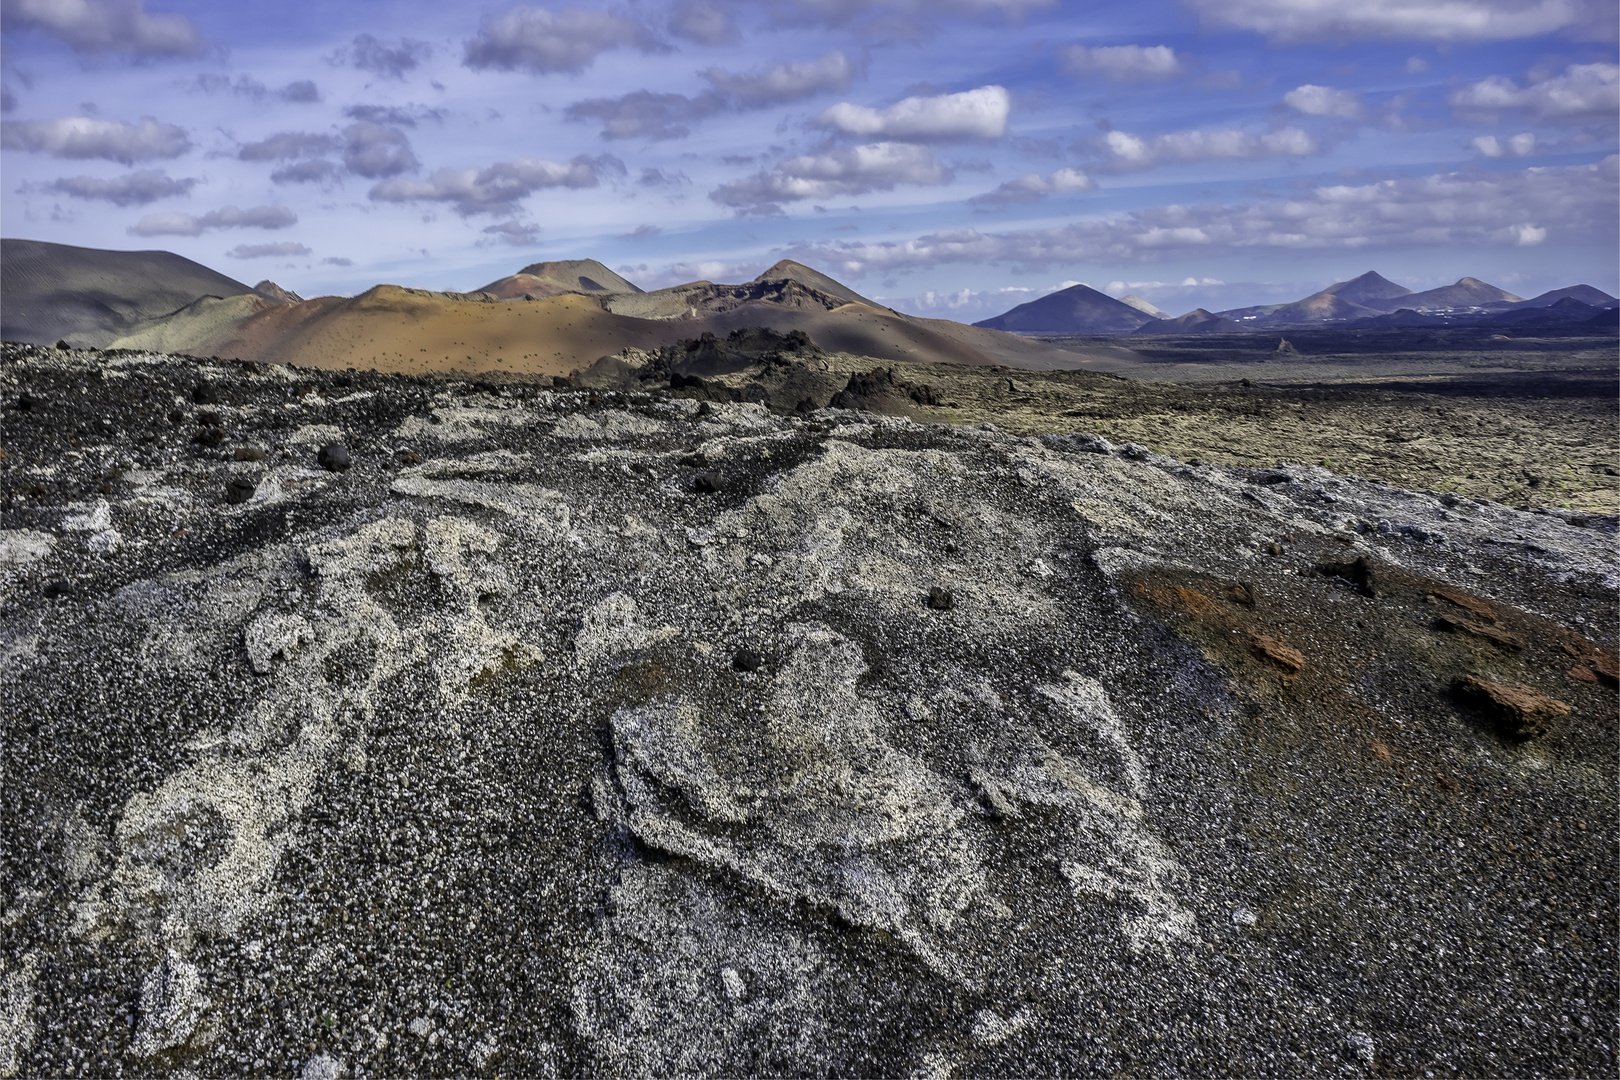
(368, 725)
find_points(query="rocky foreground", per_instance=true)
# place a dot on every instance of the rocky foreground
(362, 725)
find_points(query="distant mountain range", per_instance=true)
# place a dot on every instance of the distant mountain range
(549, 318)
(1364, 302)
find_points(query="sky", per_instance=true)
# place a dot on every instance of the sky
(950, 158)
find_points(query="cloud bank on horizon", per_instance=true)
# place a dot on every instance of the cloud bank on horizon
(954, 157)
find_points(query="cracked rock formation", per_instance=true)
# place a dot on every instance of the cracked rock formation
(590, 732)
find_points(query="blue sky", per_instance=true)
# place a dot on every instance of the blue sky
(952, 157)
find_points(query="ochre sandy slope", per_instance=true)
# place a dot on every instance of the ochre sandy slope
(389, 328)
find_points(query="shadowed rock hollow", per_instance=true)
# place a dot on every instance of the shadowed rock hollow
(620, 733)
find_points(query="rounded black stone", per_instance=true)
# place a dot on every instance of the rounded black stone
(205, 394)
(706, 482)
(746, 660)
(940, 599)
(334, 457)
(240, 490)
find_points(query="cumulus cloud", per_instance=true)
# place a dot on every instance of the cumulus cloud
(375, 151)
(1437, 211)
(396, 115)
(226, 217)
(514, 232)
(895, 18)
(1313, 100)
(1520, 145)
(286, 145)
(1123, 63)
(973, 114)
(706, 24)
(107, 26)
(645, 114)
(301, 92)
(831, 173)
(318, 171)
(543, 41)
(261, 251)
(1138, 152)
(133, 189)
(1582, 92)
(498, 188)
(391, 62)
(783, 82)
(1034, 186)
(93, 137)
(1434, 20)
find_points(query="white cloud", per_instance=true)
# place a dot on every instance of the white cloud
(226, 217)
(496, 189)
(651, 115)
(1123, 63)
(783, 82)
(93, 137)
(832, 173)
(1411, 213)
(514, 232)
(133, 189)
(1429, 20)
(262, 251)
(368, 54)
(973, 114)
(116, 26)
(374, 151)
(286, 145)
(1416, 65)
(1529, 235)
(1136, 152)
(1520, 145)
(1313, 100)
(1034, 186)
(706, 24)
(542, 41)
(1582, 92)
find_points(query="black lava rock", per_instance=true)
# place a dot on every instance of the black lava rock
(248, 453)
(58, 588)
(240, 490)
(26, 402)
(940, 599)
(205, 394)
(706, 483)
(334, 457)
(208, 436)
(746, 660)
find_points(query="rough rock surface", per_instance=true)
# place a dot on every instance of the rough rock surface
(514, 749)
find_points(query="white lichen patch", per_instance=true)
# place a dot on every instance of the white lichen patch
(20, 547)
(172, 1003)
(610, 425)
(17, 1029)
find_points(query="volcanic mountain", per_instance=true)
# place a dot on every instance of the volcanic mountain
(558, 317)
(89, 296)
(1079, 309)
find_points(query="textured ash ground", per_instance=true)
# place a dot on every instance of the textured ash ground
(442, 764)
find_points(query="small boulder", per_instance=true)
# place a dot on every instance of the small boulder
(240, 489)
(940, 599)
(333, 457)
(247, 453)
(1517, 711)
(746, 660)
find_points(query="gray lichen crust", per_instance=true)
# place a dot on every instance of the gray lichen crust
(573, 732)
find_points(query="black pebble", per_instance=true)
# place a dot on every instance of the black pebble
(176, 417)
(208, 436)
(940, 599)
(58, 588)
(707, 482)
(334, 457)
(240, 490)
(210, 418)
(26, 402)
(746, 660)
(248, 453)
(695, 461)
(205, 394)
